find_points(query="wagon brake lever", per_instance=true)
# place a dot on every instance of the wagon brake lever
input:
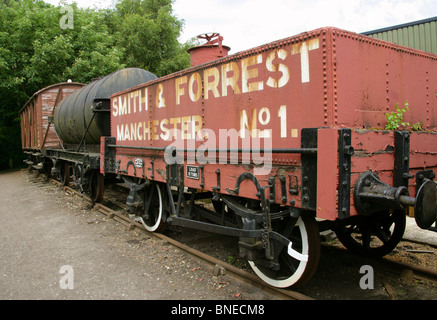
(286, 242)
(293, 253)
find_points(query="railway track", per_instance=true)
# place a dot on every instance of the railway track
(401, 269)
(216, 264)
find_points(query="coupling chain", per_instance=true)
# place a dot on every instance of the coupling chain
(265, 239)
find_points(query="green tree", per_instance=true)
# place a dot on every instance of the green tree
(148, 32)
(36, 52)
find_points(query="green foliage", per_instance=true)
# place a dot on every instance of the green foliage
(418, 126)
(36, 52)
(395, 119)
(148, 32)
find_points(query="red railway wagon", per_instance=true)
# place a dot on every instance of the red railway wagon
(37, 129)
(288, 140)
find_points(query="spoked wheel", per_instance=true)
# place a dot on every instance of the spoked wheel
(298, 262)
(375, 235)
(155, 208)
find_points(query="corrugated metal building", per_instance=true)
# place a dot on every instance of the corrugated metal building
(420, 34)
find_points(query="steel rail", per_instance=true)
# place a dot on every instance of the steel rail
(419, 272)
(397, 267)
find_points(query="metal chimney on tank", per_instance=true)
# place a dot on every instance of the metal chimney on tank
(211, 50)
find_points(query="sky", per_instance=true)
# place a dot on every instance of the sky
(245, 24)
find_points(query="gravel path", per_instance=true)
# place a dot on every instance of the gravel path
(54, 247)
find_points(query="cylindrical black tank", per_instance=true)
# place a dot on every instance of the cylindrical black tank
(89, 106)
